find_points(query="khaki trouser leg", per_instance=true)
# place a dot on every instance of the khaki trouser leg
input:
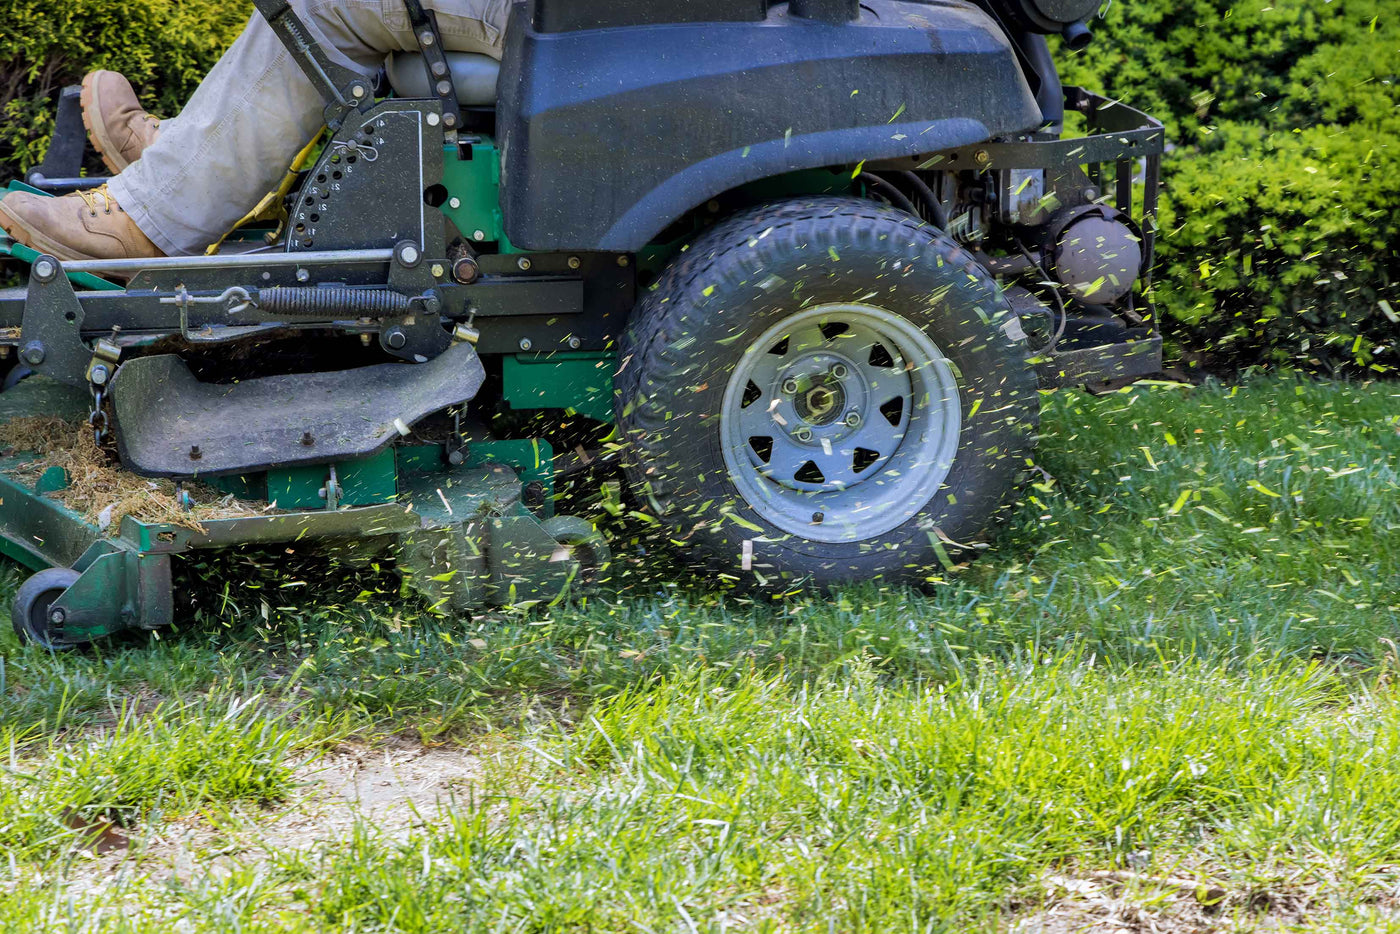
(255, 110)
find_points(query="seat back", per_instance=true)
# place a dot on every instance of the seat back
(473, 75)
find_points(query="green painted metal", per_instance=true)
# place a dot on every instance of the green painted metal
(52, 480)
(532, 459)
(474, 184)
(26, 254)
(38, 531)
(578, 381)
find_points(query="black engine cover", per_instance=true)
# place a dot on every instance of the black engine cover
(610, 134)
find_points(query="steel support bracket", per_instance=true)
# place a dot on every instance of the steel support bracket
(51, 340)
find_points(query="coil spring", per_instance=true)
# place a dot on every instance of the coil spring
(337, 300)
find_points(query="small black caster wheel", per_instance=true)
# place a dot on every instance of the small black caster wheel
(585, 544)
(30, 611)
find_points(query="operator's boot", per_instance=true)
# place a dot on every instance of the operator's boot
(119, 128)
(81, 225)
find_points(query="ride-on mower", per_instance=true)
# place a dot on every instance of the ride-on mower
(800, 268)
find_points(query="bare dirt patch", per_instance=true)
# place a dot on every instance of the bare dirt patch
(392, 789)
(1141, 903)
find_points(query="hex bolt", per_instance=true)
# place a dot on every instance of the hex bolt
(440, 69)
(790, 387)
(433, 119)
(853, 419)
(396, 339)
(438, 270)
(408, 254)
(33, 353)
(195, 452)
(803, 434)
(839, 371)
(426, 37)
(57, 616)
(524, 263)
(443, 87)
(981, 157)
(575, 262)
(44, 270)
(308, 439)
(98, 376)
(478, 235)
(303, 275)
(449, 120)
(454, 203)
(525, 343)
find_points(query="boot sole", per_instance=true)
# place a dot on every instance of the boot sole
(96, 131)
(21, 232)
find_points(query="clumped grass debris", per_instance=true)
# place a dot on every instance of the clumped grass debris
(101, 490)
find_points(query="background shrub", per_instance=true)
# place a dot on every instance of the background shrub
(163, 46)
(1281, 224)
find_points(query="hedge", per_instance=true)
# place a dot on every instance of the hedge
(163, 46)
(1281, 229)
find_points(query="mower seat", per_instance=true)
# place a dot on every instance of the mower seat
(473, 75)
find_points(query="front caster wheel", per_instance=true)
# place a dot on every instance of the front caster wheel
(31, 611)
(830, 391)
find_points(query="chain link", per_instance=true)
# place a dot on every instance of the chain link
(97, 417)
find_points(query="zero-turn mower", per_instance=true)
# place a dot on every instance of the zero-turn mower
(802, 268)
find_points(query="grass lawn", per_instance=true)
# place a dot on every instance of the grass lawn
(1165, 700)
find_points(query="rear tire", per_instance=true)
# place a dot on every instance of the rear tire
(827, 390)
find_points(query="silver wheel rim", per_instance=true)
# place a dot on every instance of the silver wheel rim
(840, 422)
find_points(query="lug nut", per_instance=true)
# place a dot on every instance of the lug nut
(790, 387)
(803, 434)
(853, 419)
(839, 371)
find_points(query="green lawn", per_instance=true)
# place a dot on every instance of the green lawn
(1164, 700)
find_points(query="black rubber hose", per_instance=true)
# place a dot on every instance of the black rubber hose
(892, 194)
(938, 216)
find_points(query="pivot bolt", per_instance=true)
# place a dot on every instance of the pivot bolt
(357, 92)
(853, 419)
(839, 371)
(44, 269)
(465, 270)
(33, 353)
(396, 339)
(98, 376)
(408, 254)
(57, 616)
(803, 434)
(790, 387)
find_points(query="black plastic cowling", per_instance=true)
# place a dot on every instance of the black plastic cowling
(609, 134)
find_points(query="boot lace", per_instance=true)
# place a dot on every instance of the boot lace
(92, 196)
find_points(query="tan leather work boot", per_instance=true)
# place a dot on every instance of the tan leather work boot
(81, 225)
(118, 126)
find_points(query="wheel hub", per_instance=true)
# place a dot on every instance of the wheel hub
(840, 422)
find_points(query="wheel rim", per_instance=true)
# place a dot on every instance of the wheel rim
(38, 625)
(840, 422)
